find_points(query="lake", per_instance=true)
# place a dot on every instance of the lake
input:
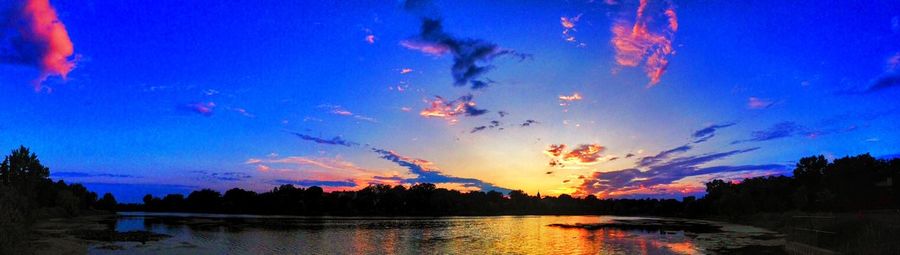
(244, 234)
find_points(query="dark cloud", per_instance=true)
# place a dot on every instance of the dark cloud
(666, 172)
(886, 81)
(308, 183)
(663, 155)
(629, 155)
(502, 113)
(471, 57)
(87, 175)
(528, 123)
(493, 124)
(779, 130)
(433, 175)
(476, 84)
(337, 140)
(222, 176)
(706, 133)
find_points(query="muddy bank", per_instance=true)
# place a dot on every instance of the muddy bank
(79, 234)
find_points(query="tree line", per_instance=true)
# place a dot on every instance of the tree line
(847, 184)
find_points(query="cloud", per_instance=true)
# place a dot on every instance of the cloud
(779, 130)
(426, 172)
(584, 154)
(632, 180)
(337, 140)
(222, 176)
(89, 174)
(637, 42)
(663, 155)
(566, 100)
(308, 183)
(756, 103)
(492, 125)
(341, 111)
(528, 123)
(471, 57)
(203, 108)
(32, 34)
(568, 24)
(709, 132)
(891, 76)
(449, 110)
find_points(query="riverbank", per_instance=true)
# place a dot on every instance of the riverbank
(863, 232)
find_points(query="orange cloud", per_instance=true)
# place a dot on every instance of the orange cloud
(39, 28)
(449, 110)
(555, 150)
(636, 43)
(565, 100)
(568, 25)
(585, 154)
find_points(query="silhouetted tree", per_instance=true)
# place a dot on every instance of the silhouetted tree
(108, 202)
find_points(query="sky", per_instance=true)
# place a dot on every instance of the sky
(612, 98)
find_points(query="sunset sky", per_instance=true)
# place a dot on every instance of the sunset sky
(617, 98)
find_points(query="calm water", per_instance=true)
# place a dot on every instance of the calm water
(220, 234)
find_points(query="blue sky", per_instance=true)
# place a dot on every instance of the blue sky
(179, 95)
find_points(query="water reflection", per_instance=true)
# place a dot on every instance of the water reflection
(211, 234)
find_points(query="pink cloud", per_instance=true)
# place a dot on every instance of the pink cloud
(638, 42)
(758, 103)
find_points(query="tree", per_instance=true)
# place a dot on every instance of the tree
(22, 167)
(108, 202)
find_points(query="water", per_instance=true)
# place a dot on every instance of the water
(223, 234)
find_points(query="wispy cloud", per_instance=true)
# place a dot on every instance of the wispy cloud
(323, 183)
(641, 41)
(568, 24)
(891, 76)
(756, 103)
(202, 108)
(341, 111)
(663, 155)
(709, 132)
(565, 100)
(779, 130)
(222, 176)
(32, 34)
(426, 172)
(337, 140)
(89, 174)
